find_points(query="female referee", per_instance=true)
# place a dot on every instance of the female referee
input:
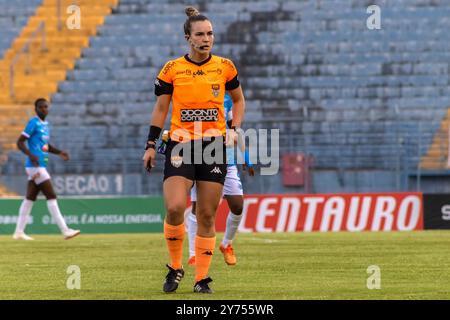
(196, 85)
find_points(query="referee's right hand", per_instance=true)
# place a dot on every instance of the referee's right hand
(149, 159)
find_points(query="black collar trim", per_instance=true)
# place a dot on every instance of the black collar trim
(198, 63)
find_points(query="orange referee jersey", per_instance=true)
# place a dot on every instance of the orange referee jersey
(197, 91)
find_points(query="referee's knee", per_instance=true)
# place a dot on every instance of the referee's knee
(175, 210)
(206, 221)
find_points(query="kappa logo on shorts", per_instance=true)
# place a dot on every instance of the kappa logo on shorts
(216, 170)
(176, 161)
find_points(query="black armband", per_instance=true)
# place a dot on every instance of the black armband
(153, 133)
(232, 84)
(162, 87)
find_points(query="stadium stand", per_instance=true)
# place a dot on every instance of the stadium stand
(46, 48)
(13, 17)
(40, 56)
(356, 99)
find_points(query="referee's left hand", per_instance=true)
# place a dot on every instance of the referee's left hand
(149, 159)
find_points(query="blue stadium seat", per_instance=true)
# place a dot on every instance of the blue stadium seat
(13, 17)
(357, 84)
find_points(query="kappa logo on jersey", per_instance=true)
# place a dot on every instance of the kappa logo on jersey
(216, 170)
(207, 115)
(157, 83)
(215, 90)
(198, 73)
(168, 67)
(228, 62)
(176, 161)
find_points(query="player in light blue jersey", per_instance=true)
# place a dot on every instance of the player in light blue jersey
(232, 192)
(34, 142)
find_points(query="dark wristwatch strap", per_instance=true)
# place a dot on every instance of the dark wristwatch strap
(150, 146)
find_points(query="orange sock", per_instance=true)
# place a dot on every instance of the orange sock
(174, 238)
(204, 249)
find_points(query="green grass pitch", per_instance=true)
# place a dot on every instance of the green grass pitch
(413, 265)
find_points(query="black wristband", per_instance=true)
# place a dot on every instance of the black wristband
(154, 133)
(150, 146)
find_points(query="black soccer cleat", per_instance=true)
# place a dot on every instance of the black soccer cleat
(202, 286)
(173, 278)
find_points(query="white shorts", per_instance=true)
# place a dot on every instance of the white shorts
(231, 187)
(38, 174)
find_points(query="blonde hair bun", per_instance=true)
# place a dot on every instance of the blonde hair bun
(191, 12)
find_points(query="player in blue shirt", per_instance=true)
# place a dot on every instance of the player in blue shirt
(34, 142)
(232, 192)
